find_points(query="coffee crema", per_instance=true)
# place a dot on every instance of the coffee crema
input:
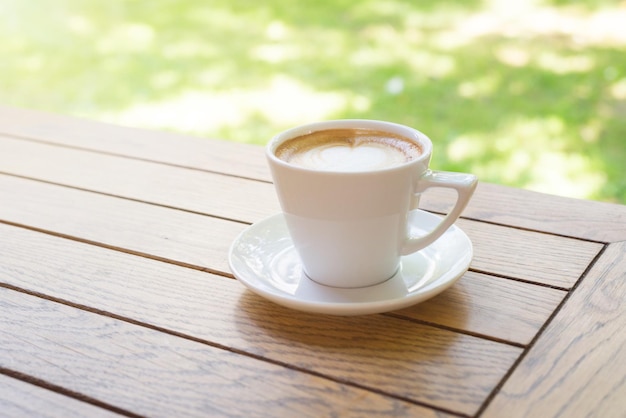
(348, 150)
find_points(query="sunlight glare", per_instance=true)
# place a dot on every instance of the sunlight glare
(276, 30)
(618, 89)
(80, 25)
(388, 45)
(130, 37)
(276, 53)
(466, 148)
(512, 56)
(283, 102)
(527, 20)
(482, 86)
(590, 132)
(560, 64)
(531, 151)
(566, 174)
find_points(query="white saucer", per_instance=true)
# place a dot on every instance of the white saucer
(263, 258)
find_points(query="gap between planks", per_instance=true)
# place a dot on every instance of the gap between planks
(541, 331)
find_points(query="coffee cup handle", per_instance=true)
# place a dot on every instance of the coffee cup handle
(464, 184)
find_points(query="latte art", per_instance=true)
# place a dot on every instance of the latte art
(348, 150)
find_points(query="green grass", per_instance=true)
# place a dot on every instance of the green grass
(530, 93)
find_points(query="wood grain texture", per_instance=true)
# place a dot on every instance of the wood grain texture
(490, 306)
(152, 373)
(413, 361)
(494, 203)
(21, 399)
(182, 150)
(184, 237)
(471, 305)
(578, 366)
(528, 255)
(584, 219)
(146, 181)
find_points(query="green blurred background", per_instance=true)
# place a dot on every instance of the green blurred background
(525, 93)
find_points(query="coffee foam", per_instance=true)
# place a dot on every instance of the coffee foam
(348, 150)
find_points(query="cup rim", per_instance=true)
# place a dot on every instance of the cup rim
(404, 130)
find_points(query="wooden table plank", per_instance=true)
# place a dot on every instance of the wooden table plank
(21, 399)
(494, 203)
(186, 238)
(490, 306)
(422, 363)
(141, 180)
(578, 365)
(148, 372)
(528, 255)
(193, 152)
(584, 219)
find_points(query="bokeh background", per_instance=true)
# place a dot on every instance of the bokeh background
(525, 93)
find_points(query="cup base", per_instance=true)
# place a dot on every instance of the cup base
(321, 283)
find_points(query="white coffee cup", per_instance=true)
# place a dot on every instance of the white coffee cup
(350, 228)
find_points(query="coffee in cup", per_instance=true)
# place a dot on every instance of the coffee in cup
(348, 150)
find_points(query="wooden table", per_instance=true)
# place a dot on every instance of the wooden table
(116, 296)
